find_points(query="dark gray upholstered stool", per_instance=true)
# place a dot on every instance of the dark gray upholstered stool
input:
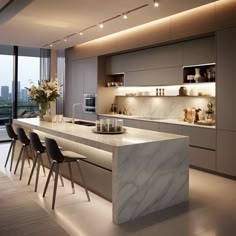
(24, 152)
(39, 149)
(59, 157)
(13, 136)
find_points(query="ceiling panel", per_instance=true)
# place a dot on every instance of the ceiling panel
(44, 21)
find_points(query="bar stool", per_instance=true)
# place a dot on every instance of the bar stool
(13, 136)
(39, 149)
(25, 142)
(58, 158)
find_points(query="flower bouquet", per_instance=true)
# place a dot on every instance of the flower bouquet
(43, 94)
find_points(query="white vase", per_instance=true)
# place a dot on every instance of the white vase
(197, 75)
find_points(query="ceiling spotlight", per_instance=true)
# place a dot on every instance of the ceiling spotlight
(65, 39)
(101, 25)
(51, 45)
(81, 33)
(156, 3)
(125, 16)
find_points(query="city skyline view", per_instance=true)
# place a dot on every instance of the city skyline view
(28, 71)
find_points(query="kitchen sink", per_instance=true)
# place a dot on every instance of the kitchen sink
(85, 123)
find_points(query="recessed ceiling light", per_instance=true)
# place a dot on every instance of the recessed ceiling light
(156, 3)
(125, 16)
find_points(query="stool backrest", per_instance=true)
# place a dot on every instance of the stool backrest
(36, 143)
(53, 150)
(10, 131)
(22, 136)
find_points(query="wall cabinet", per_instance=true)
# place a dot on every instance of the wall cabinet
(161, 65)
(143, 78)
(199, 51)
(172, 76)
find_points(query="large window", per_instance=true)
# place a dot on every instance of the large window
(28, 72)
(6, 81)
(16, 78)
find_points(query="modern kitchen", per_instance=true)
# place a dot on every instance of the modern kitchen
(151, 110)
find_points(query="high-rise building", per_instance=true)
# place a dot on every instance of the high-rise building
(5, 93)
(24, 95)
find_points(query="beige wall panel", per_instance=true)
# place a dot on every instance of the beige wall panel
(138, 37)
(201, 20)
(225, 13)
(193, 22)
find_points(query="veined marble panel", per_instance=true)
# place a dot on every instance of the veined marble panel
(149, 178)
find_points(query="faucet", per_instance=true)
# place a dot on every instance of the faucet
(73, 110)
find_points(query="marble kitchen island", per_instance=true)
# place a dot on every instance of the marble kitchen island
(150, 170)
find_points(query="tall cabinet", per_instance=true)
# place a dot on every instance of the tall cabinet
(226, 97)
(81, 78)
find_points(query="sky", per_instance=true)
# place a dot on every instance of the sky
(28, 69)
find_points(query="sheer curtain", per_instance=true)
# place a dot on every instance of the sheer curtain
(45, 55)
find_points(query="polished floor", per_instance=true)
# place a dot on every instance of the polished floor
(211, 210)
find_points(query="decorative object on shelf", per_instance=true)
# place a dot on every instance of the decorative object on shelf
(43, 94)
(183, 91)
(199, 73)
(194, 92)
(197, 76)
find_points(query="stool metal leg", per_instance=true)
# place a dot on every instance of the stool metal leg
(55, 185)
(43, 166)
(17, 163)
(49, 161)
(23, 162)
(48, 179)
(83, 180)
(12, 154)
(71, 178)
(38, 170)
(32, 171)
(27, 153)
(9, 153)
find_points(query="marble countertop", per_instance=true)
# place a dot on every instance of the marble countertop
(159, 120)
(85, 135)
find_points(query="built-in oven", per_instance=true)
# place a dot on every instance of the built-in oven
(90, 103)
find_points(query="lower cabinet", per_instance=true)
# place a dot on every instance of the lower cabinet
(226, 152)
(202, 158)
(171, 128)
(202, 144)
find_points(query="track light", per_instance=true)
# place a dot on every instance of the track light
(65, 39)
(101, 25)
(156, 3)
(125, 16)
(81, 33)
(51, 45)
